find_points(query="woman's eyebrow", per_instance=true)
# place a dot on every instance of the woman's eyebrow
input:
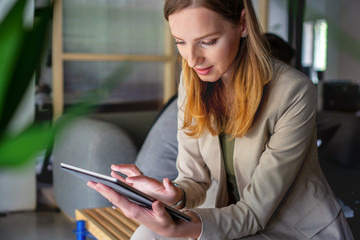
(196, 39)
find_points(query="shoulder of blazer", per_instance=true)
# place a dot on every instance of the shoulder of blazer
(287, 77)
(290, 85)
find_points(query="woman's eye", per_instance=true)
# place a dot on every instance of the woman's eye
(209, 43)
(179, 42)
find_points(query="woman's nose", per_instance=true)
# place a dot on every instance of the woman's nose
(193, 58)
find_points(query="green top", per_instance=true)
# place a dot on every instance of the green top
(227, 147)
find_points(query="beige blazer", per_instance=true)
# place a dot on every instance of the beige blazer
(284, 194)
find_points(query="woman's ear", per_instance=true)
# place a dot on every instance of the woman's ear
(243, 25)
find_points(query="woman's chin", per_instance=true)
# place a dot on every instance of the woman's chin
(208, 78)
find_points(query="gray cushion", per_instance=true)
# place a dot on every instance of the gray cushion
(157, 156)
(91, 144)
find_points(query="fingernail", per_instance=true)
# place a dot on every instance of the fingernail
(114, 207)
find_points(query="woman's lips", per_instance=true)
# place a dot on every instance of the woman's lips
(204, 71)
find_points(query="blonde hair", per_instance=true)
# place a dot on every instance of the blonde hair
(252, 70)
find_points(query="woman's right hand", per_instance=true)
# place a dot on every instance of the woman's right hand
(164, 191)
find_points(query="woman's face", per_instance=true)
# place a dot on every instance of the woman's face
(206, 41)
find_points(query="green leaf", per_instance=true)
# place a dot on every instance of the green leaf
(16, 150)
(11, 38)
(19, 149)
(27, 62)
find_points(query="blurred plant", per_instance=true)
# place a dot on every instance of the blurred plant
(20, 54)
(21, 51)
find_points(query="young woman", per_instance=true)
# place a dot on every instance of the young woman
(246, 123)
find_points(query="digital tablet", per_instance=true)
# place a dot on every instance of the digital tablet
(129, 192)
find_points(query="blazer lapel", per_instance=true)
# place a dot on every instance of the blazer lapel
(212, 155)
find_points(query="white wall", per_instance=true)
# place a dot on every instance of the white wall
(18, 185)
(343, 53)
(349, 40)
(277, 21)
(278, 18)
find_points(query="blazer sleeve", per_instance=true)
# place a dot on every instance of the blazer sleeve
(278, 166)
(194, 176)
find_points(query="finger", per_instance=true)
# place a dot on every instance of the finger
(91, 184)
(147, 185)
(115, 198)
(139, 179)
(127, 169)
(129, 209)
(109, 194)
(170, 186)
(118, 177)
(160, 212)
(144, 181)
